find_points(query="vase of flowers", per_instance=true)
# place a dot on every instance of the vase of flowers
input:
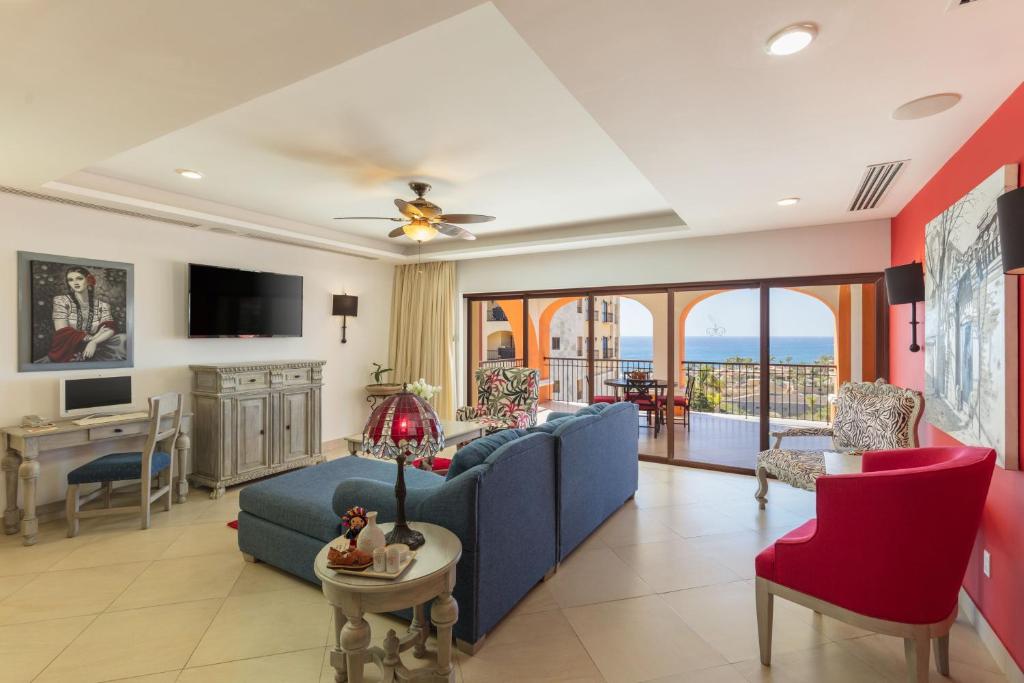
(424, 390)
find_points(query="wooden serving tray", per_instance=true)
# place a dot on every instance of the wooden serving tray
(368, 571)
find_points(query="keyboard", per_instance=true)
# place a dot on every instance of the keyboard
(106, 419)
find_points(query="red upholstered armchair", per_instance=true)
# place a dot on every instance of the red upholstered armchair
(888, 550)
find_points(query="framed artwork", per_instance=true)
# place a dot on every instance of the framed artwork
(970, 385)
(74, 313)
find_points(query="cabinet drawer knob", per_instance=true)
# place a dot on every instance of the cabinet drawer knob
(252, 380)
(261, 432)
(297, 377)
(118, 430)
(288, 426)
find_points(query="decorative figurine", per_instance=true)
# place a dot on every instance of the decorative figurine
(354, 521)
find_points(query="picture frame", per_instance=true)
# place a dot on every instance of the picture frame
(971, 324)
(74, 313)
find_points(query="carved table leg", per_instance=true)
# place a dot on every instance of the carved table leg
(443, 614)
(355, 643)
(183, 446)
(337, 655)
(29, 474)
(217, 492)
(12, 516)
(420, 628)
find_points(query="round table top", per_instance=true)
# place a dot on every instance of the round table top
(439, 553)
(622, 382)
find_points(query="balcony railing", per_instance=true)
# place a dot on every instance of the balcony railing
(798, 392)
(501, 363)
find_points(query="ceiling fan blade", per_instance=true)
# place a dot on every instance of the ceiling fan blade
(465, 218)
(368, 218)
(397, 232)
(408, 210)
(454, 231)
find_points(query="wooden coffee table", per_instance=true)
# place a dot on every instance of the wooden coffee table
(431, 576)
(455, 432)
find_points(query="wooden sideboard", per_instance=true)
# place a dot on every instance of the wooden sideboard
(254, 419)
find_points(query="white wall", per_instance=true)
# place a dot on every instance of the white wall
(160, 253)
(816, 250)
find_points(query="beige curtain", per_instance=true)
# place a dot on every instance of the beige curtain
(423, 329)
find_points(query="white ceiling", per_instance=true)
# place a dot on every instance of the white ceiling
(576, 122)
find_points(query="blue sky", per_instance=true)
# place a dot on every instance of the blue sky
(793, 315)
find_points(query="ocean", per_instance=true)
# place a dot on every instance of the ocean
(793, 349)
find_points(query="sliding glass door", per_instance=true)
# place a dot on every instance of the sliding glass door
(713, 368)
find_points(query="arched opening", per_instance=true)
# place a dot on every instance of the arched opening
(501, 345)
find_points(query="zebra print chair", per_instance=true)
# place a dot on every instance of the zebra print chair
(870, 416)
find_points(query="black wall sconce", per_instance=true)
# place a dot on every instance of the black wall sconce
(905, 285)
(1010, 210)
(345, 305)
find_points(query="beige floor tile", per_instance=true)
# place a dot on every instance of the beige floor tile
(136, 545)
(133, 643)
(885, 654)
(772, 517)
(203, 539)
(719, 674)
(595, 576)
(9, 584)
(303, 666)
(182, 579)
(827, 663)
(264, 624)
(724, 616)
(530, 647)
(736, 550)
(223, 510)
(833, 629)
(165, 677)
(640, 639)
(26, 649)
(674, 565)
(631, 526)
(74, 592)
(698, 519)
(259, 577)
(539, 599)
(52, 546)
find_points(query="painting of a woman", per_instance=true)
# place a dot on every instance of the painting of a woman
(83, 328)
(74, 313)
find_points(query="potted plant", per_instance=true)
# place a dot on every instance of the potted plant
(379, 387)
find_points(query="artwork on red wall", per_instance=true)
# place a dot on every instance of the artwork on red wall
(971, 323)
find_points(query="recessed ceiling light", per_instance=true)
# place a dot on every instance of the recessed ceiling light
(927, 106)
(791, 39)
(788, 201)
(189, 173)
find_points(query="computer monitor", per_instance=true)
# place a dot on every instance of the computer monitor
(94, 395)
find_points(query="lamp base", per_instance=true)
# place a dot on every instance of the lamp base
(403, 534)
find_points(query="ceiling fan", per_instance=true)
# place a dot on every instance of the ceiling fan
(423, 219)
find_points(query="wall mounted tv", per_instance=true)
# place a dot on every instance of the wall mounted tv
(225, 302)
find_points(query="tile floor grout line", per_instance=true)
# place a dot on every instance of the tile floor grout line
(79, 635)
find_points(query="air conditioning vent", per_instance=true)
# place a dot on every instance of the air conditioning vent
(877, 180)
(97, 207)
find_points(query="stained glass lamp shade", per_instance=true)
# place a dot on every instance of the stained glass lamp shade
(402, 428)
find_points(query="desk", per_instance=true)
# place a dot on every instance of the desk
(24, 444)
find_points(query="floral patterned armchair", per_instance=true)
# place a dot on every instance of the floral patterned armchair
(870, 416)
(506, 399)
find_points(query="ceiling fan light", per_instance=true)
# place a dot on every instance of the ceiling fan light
(420, 231)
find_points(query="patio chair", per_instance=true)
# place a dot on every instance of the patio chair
(870, 416)
(506, 399)
(644, 393)
(681, 400)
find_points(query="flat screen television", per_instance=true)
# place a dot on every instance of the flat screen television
(225, 302)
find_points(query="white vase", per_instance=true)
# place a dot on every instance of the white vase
(371, 537)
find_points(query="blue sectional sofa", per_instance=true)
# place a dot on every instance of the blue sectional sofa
(519, 500)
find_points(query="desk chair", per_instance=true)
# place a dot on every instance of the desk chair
(154, 460)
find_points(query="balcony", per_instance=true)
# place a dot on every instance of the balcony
(725, 404)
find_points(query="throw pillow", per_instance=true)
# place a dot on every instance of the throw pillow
(476, 452)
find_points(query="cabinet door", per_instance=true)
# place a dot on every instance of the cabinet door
(252, 427)
(295, 416)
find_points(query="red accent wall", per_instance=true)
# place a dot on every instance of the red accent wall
(999, 141)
